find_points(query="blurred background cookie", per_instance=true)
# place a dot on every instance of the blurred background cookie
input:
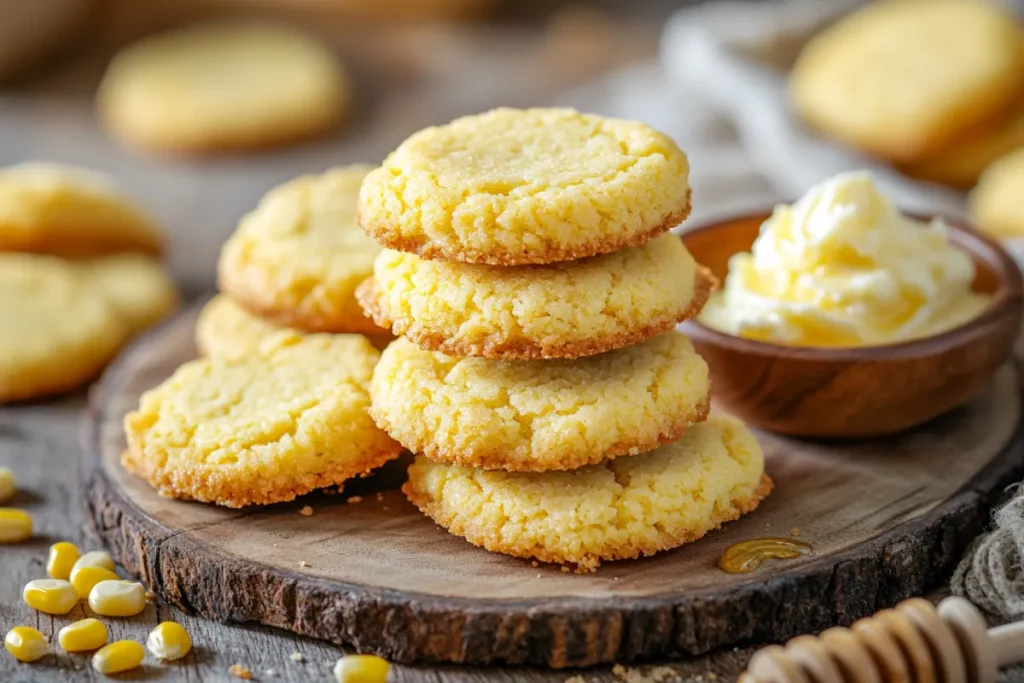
(70, 211)
(223, 86)
(138, 288)
(997, 203)
(58, 331)
(907, 79)
(961, 166)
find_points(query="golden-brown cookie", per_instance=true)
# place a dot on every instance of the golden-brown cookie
(519, 187)
(909, 79)
(263, 428)
(962, 165)
(297, 259)
(619, 509)
(138, 288)
(70, 211)
(997, 203)
(226, 330)
(543, 414)
(561, 310)
(58, 330)
(222, 87)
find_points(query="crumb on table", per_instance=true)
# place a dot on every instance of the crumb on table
(306, 511)
(239, 671)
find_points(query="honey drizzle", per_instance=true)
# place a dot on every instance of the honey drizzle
(746, 556)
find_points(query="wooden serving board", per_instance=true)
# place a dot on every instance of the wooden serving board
(886, 518)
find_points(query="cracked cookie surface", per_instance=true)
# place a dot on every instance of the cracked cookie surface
(619, 509)
(519, 187)
(561, 310)
(543, 414)
(299, 256)
(58, 330)
(70, 211)
(260, 429)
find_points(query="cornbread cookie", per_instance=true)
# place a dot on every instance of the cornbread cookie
(70, 211)
(964, 164)
(225, 329)
(614, 510)
(137, 287)
(562, 310)
(260, 429)
(997, 203)
(57, 330)
(518, 187)
(543, 414)
(299, 256)
(907, 79)
(222, 87)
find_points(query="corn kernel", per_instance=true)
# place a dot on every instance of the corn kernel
(361, 669)
(8, 484)
(62, 559)
(84, 578)
(169, 641)
(15, 526)
(52, 596)
(83, 635)
(124, 655)
(117, 598)
(94, 558)
(26, 644)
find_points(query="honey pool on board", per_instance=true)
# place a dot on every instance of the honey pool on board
(746, 556)
(843, 267)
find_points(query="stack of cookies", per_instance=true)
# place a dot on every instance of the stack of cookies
(80, 276)
(278, 405)
(554, 412)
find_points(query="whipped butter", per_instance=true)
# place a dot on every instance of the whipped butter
(843, 267)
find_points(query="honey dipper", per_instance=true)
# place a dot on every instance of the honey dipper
(912, 642)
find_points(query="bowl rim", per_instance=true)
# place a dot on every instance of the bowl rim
(1008, 301)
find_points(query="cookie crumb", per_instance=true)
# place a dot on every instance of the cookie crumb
(303, 563)
(535, 564)
(380, 496)
(306, 511)
(297, 657)
(355, 499)
(565, 570)
(659, 674)
(575, 679)
(270, 672)
(239, 671)
(712, 676)
(794, 532)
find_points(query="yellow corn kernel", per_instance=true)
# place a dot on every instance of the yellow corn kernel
(8, 484)
(52, 596)
(26, 644)
(169, 641)
(62, 559)
(117, 598)
(83, 635)
(95, 558)
(84, 578)
(124, 655)
(361, 669)
(15, 526)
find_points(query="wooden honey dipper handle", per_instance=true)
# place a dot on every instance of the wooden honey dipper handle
(913, 642)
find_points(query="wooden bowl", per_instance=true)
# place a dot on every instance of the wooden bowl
(863, 391)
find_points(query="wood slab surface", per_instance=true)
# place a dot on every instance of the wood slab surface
(886, 519)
